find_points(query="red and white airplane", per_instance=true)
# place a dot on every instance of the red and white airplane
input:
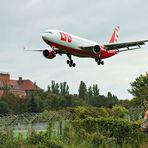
(65, 43)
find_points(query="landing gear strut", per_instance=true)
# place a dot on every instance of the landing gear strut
(99, 61)
(70, 61)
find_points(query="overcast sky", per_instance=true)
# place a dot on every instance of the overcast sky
(23, 21)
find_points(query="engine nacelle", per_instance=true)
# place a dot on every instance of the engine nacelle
(49, 54)
(96, 49)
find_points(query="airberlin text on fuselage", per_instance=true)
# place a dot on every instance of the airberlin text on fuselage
(66, 37)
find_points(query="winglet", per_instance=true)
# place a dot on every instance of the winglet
(114, 37)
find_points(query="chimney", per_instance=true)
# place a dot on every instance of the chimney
(20, 78)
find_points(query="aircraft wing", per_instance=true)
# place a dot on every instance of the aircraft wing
(57, 51)
(87, 48)
(127, 45)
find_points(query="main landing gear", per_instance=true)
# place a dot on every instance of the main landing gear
(70, 61)
(99, 61)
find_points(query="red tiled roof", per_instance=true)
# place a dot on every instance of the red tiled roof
(27, 85)
(13, 82)
(23, 84)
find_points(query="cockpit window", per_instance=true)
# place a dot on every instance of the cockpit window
(48, 32)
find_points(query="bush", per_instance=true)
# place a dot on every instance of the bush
(119, 111)
(42, 139)
(121, 130)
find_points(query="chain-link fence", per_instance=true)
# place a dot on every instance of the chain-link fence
(28, 122)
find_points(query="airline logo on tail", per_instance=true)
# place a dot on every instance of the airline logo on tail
(115, 35)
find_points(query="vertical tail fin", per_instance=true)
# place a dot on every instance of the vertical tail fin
(114, 37)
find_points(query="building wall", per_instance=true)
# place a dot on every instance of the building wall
(4, 77)
(19, 87)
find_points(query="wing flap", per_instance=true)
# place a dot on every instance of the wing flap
(127, 45)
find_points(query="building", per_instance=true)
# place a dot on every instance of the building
(18, 87)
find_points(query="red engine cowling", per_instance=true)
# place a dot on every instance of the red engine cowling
(49, 54)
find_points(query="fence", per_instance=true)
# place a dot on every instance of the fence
(26, 123)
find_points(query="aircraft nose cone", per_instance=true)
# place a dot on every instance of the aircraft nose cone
(44, 36)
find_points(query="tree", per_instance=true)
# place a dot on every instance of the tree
(64, 88)
(54, 88)
(4, 108)
(125, 103)
(98, 101)
(32, 105)
(82, 90)
(112, 99)
(53, 101)
(90, 92)
(12, 101)
(139, 89)
(95, 90)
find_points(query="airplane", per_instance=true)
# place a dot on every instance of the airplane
(71, 45)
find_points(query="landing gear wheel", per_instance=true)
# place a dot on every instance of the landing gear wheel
(102, 62)
(99, 62)
(70, 65)
(74, 64)
(70, 61)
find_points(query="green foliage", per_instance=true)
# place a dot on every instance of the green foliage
(95, 90)
(139, 89)
(102, 101)
(53, 101)
(112, 99)
(54, 88)
(81, 112)
(86, 112)
(15, 103)
(104, 112)
(4, 108)
(90, 92)
(82, 90)
(80, 138)
(7, 140)
(64, 88)
(125, 103)
(70, 101)
(32, 105)
(43, 140)
(120, 111)
(122, 130)
(98, 101)
(84, 127)
(57, 97)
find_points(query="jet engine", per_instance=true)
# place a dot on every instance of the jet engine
(49, 54)
(96, 49)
